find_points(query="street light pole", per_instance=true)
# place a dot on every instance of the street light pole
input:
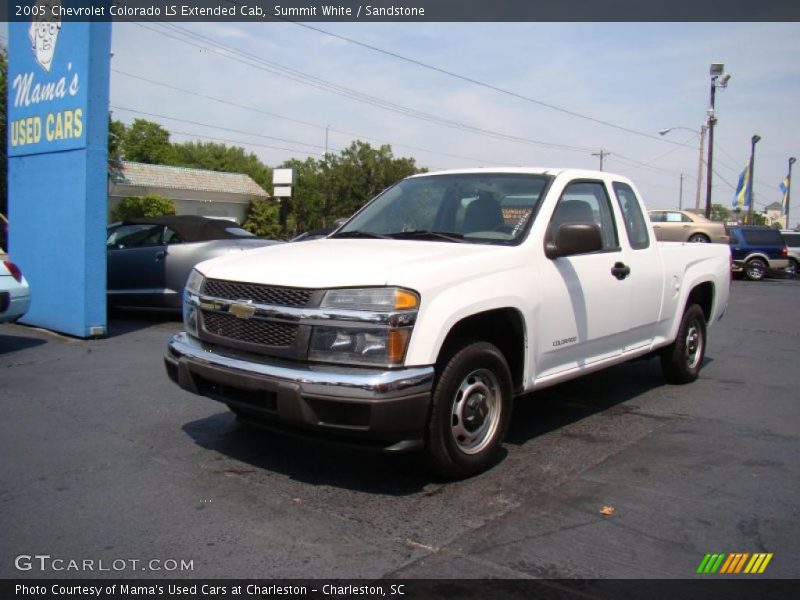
(702, 134)
(792, 160)
(718, 79)
(753, 141)
(703, 129)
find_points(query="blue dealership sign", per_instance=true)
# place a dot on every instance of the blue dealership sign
(47, 91)
(57, 147)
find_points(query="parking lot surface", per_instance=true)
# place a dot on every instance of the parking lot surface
(105, 459)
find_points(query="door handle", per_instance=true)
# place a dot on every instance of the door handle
(620, 270)
(161, 255)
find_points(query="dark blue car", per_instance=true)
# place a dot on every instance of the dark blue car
(757, 250)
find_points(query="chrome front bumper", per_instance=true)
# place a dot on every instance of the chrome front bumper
(383, 407)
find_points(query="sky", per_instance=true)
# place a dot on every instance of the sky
(640, 77)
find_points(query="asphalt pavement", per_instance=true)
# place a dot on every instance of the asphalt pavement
(104, 459)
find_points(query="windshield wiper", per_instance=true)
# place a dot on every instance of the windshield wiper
(448, 236)
(360, 234)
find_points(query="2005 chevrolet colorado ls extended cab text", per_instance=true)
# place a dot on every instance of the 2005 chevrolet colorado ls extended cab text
(417, 322)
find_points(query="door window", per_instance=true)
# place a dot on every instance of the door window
(134, 236)
(586, 202)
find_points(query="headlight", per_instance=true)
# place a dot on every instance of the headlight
(371, 299)
(374, 346)
(193, 286)
(195, 282)
(348, 345)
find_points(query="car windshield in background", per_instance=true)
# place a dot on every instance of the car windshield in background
(493, 208)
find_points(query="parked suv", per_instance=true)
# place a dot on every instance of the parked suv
(757, 250)
(792, 239)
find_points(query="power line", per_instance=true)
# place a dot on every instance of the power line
(310, 80)
(483, 84)
(300, 121)
(180, 120)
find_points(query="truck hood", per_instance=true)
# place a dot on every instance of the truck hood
(329, 263)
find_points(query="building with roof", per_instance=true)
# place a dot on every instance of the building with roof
(194, 191)
(774, 214)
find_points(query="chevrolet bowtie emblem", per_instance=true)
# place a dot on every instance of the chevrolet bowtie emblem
(242, 310)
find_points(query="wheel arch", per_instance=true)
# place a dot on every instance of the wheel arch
(503, 327)
(702, 294)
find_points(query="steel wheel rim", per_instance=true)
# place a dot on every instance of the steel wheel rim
(755, 269)
(475, 414)
(694, 345)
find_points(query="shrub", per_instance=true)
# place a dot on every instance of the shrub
(143, 206)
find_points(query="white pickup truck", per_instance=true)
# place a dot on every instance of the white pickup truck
(417, 322)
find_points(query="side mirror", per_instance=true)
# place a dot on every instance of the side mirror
(574, 238)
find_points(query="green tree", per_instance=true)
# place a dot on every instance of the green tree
(148, 142)
(720, 213)
(219, 157)
(116, 138)
(151, 205)
(262, 219)
(338, 185)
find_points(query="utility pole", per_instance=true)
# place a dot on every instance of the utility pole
(601, 154)
(792, 160)
(753, 141)
(327, 127)
(680, 195)
(703, 129)
(718, 79)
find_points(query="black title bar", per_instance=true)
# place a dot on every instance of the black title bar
(403, 10)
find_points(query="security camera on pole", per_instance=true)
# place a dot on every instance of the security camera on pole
(718, 79)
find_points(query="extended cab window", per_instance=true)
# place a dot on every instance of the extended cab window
(586, 202)
(632, 213)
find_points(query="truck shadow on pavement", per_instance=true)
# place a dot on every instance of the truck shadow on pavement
(317, 463)
(310, 461)
(122, 322)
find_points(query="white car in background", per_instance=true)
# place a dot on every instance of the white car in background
(14, 292)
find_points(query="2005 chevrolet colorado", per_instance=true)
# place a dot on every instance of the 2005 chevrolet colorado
(418, 321)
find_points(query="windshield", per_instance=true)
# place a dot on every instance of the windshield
(493, 208)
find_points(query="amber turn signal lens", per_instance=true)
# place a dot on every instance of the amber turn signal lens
(396, 345)
(404, 300)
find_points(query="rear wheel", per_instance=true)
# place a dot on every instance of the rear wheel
(793, 269)
(699, 238)
(470, 411)
(682, 359)
(755, 269)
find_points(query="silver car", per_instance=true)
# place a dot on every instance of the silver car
(149, 259)
(792, 239)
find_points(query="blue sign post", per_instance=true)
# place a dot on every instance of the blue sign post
(58, 81)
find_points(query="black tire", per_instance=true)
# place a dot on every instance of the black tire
(682, 360)
(470, 410)
(699, 238)
(793, 269)
(755, 269)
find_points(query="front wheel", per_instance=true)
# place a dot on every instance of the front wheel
(470, 411)
(682, 359)
(755, 269)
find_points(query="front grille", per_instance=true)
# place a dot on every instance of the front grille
(258, 293)
(252, 331)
